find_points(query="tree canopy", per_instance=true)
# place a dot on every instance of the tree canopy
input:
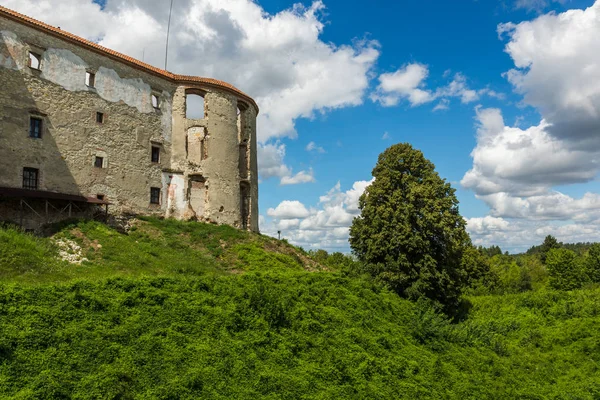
(409, 232)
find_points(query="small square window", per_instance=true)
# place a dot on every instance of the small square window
(30, 178)
(34, 60)
(100, 117)
(154, 195)
(90, 79)
(155, 154)
(99, 162)
(100, 196)
(35, 127)
(155, 102)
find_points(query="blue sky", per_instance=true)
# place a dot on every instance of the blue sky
(455, 36)
(500, 95)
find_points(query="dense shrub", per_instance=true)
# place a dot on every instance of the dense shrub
(292, 335)
(565, 269)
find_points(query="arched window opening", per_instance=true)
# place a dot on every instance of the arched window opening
(194, 105)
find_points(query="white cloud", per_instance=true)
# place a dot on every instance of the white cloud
(519, 235)
(515, 170)
(300, 177)
(271, 164)
(325, 226)
(288, 210)
(408, 83)
(557, 70)
(405, 83)
(458, 88)
(312, 147)
(270, 161)
(523, 162)
(443, 105)
(279, 59)
(386, 136)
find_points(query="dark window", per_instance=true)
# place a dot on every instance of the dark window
(30, 178)
(155, 195)
(34, 60)
(99, 162)
(35, 128)
(90, 79)
(100, 196)
(155, 154)
(100, 117)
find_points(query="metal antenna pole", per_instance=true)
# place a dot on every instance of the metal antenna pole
(168, 31)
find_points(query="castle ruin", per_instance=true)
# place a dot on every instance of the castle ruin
(86, 130)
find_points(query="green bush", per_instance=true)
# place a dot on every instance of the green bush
(174, 311)
(566, 269)
(292, 335)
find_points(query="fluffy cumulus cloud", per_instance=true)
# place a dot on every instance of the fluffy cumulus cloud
(300, 177)
(523, 162)
(408, 84)
(519, 235)
(516, 170)
(557, 70)
(271, 164)
(405, 83)
(288, 210)
(514, 173)
(278, 59)
(325, 226)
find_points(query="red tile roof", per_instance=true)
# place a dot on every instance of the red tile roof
(69, 37)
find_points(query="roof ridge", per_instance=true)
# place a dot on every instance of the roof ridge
(120, 56)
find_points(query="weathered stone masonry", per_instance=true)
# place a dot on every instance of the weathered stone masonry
(82, 126)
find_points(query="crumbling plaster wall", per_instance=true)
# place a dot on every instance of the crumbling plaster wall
(208, 149)
(71, 136)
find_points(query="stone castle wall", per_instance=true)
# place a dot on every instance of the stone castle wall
(207, 167)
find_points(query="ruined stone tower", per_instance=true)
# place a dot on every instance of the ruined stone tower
(84, 128)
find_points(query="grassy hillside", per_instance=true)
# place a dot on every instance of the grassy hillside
(152, 247)
(187, 311)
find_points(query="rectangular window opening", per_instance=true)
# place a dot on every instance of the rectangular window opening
(100, 196)
(30, 178)
(155, 102)
(100, 117)
(155, 154)
(34, 60)
(99, 162)
(35, 127)
(90, 79)
(154, 195)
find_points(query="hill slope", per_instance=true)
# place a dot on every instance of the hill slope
(148, 317)
(151, 247)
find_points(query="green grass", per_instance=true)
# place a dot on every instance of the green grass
(185, 311)
(153, 247)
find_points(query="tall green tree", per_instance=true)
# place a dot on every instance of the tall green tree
(409, 232)
(550, 243)
(592, 263)
(566, 269)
